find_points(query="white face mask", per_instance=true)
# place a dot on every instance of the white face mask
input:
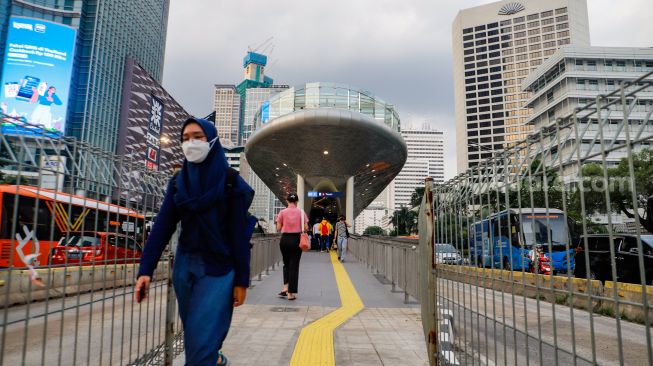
(197, 150)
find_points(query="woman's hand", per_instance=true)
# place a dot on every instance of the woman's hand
(141, 288)
(240, 293)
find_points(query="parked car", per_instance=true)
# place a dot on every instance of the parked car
(626, 258)
(447, 254)
(88, 248)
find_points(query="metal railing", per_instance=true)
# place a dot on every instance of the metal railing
(395, 259)
(543, 254)
(73, 221)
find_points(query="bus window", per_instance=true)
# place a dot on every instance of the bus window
(538, 229)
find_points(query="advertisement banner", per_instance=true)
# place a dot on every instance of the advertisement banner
(153, 137)
(265, 112)
(36, 76)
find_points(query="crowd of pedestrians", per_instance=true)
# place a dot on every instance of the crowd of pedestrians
(326, 237)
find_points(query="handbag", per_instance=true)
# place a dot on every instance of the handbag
(304, 242)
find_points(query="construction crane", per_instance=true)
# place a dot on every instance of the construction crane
(263, 46)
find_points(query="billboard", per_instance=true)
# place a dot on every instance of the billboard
(153, 137)
(265, 112)
(36, 73)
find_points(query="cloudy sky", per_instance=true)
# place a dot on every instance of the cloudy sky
(398, 49)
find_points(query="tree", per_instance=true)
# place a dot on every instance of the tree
(405, 221)
(374, 230)
(6, 160)
(416, 197)
(540, 188)
(620, 184)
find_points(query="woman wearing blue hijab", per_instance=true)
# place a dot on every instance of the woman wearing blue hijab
(211, 267)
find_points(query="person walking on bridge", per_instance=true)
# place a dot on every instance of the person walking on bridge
(211, 268)
(341, 235)
(291, 222)
(324, 234)
(316, 234)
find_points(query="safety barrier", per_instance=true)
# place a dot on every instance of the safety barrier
(394, 259)
(71, 216)
(573, 198)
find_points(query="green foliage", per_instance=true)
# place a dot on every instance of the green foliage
(8, 179)
(416, 197)
(620, 184)
(374, 230)
(404, 221)
(539, 187)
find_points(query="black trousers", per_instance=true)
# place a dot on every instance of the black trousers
(291, 254)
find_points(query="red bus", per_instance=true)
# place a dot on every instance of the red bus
(39, 218)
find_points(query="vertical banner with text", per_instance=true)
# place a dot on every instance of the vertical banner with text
(153, 137)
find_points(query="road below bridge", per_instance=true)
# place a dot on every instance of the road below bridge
(495, 328)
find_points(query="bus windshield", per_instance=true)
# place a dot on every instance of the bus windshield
(539, 228)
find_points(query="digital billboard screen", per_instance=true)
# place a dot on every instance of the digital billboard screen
(36, 72)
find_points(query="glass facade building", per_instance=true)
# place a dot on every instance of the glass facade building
(328, 95)
(108, 32)
(255, 97)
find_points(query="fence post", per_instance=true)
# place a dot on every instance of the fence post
(392, 269)
(267, 260)
(171, 315)
(426, 267)
(405, 278)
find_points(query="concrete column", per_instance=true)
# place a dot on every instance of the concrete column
(349, 203)
(301, 192)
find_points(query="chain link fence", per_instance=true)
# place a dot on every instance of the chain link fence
(73, 223)
(543, 254)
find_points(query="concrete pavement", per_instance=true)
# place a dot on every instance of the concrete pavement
(385, 332)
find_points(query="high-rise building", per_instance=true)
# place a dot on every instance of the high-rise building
(572, 78)
(373, 215)
(495, 46)
(255, 98)
(226, 104)
(150, 122)
(107, 32)
(235, 107)
(425, 159)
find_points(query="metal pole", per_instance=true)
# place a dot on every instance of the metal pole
(171, 314)
(405, 279)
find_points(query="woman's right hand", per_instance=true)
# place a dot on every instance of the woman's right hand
(141, 288)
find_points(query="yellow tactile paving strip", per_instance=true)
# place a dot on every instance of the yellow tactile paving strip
(315, 343)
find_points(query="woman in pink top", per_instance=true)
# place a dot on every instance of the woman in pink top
(291, 222)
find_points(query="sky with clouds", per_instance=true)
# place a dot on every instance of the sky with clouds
(400, 50)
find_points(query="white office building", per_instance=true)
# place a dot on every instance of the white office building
(574, 77)
(374, 215)
(425, 159)
(495, 46)
(226, 104)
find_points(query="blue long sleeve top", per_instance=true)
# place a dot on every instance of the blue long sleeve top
(229, 250)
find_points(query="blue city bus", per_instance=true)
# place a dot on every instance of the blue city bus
(505, 239)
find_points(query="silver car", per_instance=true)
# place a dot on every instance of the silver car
(447, 254)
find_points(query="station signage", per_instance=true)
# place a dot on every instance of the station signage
(313, 194)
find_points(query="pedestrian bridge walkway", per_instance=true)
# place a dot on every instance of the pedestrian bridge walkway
(343, 315)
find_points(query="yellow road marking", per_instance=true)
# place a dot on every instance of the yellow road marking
(315, 343)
